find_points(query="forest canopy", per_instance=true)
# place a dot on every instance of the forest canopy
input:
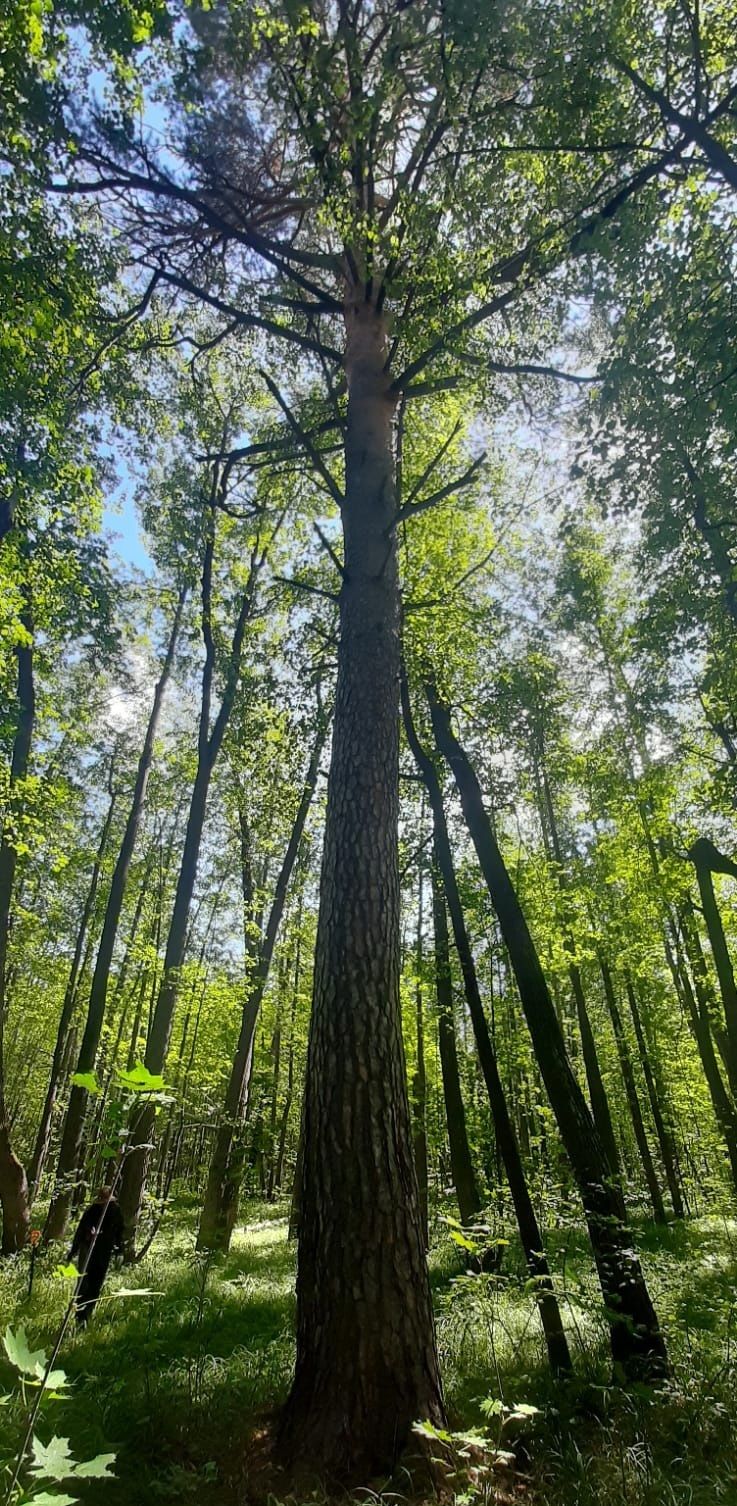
(368, 749)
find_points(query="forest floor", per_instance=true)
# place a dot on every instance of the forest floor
(181, 1382)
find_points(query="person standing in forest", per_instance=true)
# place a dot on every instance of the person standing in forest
(99, 1232)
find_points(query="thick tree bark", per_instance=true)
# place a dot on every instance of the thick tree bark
(506, 1139)
(366, 1359)
(14, 1199)
(630, 1089)
(40, 1150)
(637, 1343)
(72, 1135)
(461, 1164)
(662, 1130)
(220, 1208)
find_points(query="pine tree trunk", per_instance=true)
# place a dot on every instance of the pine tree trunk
(461, 1164)
(637, 1343)
(14, 1200)
(506, 1139)
(71, 1142)
(366, 1358)
(630, 1089)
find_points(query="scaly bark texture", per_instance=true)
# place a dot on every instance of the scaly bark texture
(366, 1358)
(637, 1344)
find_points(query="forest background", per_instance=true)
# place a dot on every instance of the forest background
(404, 334)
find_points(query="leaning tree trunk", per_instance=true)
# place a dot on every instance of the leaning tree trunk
(506, 1139)
(630, 1089)
(461, 1164)
(367, 1364)
(71, 1142)
(14, 1199)
(636, 1341)
(41, 1147)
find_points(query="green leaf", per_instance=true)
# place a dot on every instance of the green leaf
(95, 1469)
(67, 1272)
(463, 1240)
(46, 1499)
(86, 1080)
(24, 1359)
(52, 1461)
(55, 1380)
(140, 1080)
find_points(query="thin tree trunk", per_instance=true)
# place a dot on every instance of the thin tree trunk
(289, 1097)
(419, 1081)
(40, 1151)
(209, 743)
(71, 1141)
(220, 1208)
(697, 1013)
(597, 1092)
(630, 1089)
(637, 1343)
(461, 1164)
(662, 1130)
(706, 860)
(507, 1144)
(367, 1363)
(14, 1199)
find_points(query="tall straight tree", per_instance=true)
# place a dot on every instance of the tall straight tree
(329, 197)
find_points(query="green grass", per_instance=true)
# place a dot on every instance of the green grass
(179, 1384)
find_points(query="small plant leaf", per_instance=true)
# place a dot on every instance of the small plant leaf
(86, 1080)
(24, 1359)
(53, 1460)
(95, 1469)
